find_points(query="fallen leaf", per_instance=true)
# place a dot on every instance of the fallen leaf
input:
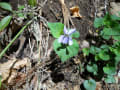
(9, 69)
(75, 12)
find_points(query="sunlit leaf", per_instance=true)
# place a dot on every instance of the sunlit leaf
(6, 6)
(56, 29)
(4, 22)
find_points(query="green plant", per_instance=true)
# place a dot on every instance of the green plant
(107, 55)
(111, 26)
(64, 45)
(19, 13)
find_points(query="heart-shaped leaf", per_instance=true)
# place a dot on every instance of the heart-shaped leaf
(92, 68)
(104, 56)
(110, 70)
(56, 29)
(65, 51)
(89, 84)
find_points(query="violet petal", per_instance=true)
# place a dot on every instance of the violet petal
(65, 30)
(65, 40)
(70, 42)
(60, 39)
(71, 31)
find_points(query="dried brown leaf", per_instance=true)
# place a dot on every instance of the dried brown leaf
(9, 69)
(75, 12)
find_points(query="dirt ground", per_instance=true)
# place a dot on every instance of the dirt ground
(43, 70)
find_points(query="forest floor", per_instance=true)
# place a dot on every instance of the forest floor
(31, 63)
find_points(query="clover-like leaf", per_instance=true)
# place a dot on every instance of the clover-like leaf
(89, 84)
(4, 22)
(56, 29)
(65, 51)
(110, 79)
(6, 6)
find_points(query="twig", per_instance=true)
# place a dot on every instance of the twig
(18, 34)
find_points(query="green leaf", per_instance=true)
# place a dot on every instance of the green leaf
(98, 22)
(76, 34)
(85, 51)
(107, 20)
(114, 17)
(56, 29)
(97, 57)
(106, 33)
(20, 15)
(104, 56)
(64, 51)
(89, 84)
(110, 70)
(6, 6)
(92, 68)
(4, 22)
(94, 50)
(117, 60)
(117, 51)
(32, 3)
(107, 37)
(110, 79)
(0, 81)
(104, 46)
(21, 7)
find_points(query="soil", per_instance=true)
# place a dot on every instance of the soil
(53, 74)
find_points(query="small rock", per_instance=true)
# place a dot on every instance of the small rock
(85, 44)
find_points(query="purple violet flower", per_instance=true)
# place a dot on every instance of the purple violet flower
(66, 38)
